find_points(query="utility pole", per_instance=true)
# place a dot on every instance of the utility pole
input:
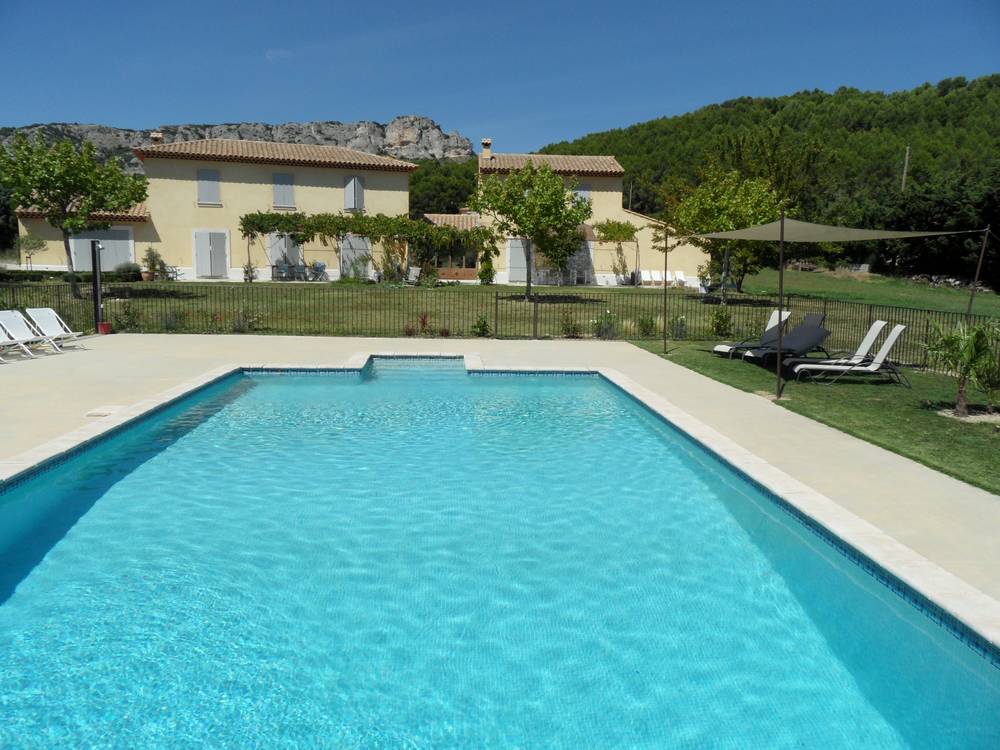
(979, 268)
(906, 168)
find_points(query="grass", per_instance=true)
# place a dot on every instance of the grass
(874, 289)
(901, 420)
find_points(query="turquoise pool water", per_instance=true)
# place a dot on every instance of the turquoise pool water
(421, 558)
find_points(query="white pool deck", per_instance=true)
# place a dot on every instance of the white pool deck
(940, 535)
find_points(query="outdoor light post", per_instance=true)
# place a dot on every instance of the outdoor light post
(95, 264)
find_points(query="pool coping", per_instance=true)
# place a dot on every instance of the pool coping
(972, 609)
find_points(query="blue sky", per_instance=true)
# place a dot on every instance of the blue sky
(525, 73)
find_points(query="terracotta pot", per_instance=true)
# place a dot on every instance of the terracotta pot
(104, 327)
(147, 275)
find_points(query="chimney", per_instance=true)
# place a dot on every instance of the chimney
(156, 136)
(487, 148)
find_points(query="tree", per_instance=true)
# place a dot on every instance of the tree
(28, 245)
(970, 353)
(68, 185)
(442, 187)
(618, 233)
(722, 202)
(534, 203)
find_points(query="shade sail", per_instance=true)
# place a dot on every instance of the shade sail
(804, 231)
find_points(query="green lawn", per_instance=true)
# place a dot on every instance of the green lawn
(872, 288)
(898, 419)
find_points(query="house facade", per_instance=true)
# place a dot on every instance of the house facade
(198, 190)
(600, 179)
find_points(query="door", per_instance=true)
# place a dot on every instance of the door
(210, 256)
(517, 266)
(117, 244)
(355, 258)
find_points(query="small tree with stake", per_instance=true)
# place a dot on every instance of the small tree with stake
(68, 185)
(534, 203)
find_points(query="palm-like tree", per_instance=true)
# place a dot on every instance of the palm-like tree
(967, 351)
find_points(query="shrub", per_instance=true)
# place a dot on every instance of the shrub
(127, 317)
(486, 271)
(444, 332)
(646, 325)
(425, 321)
(410, 329)
(570, 328)
(428, 276)
(244, 322)
(173, 320)
(152, 260)
(679, 328)
(481, 327)
(128, 269)
(605, 326)
(722, 323)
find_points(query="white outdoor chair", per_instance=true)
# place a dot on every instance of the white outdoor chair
(657, 278)
(48, 323)
(668, 277)
(20, 331)
(877, 365)
(646, 278)
(680, 278)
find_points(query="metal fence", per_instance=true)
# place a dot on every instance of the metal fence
(379, 310)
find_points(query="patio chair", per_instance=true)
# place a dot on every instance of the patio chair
(861, 354)
(680, 278)
(806, 337)
(658, 278)
(47, 322)
(878, 365)
(413, 275)
(668, 277)
(20, 333)
(646, 278)
(768, 338)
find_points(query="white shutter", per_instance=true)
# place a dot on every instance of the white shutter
(284, 190)
(275, 248)
(354, 194)
(517, 266)
(208, 187)
(217, 242)
(202, 255)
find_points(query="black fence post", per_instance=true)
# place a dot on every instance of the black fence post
(496, 314)
(534, 317)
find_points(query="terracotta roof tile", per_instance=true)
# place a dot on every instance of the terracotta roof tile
(459, 221)
(593, 166)
(270, 152)
(138, 212)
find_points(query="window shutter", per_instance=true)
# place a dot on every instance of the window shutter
(354, 194)
(208, 186)
(583, 191)
(284, 191)
(202, 255)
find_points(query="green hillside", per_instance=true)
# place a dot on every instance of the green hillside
(839, 158)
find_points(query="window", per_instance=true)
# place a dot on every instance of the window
(208, 187)
(459, 257)
(354, 194)
(583, 191)
(284, 190)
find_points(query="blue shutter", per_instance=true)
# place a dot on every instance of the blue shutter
(208, 187)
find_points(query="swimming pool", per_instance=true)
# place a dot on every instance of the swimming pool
(416, 557)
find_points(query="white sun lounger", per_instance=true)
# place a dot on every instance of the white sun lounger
(862, 354)
(48, 323)
(20, 331)
(728, 350)
(668, 277)
(680, 278)
(877, 365)
(657, 278)
(646, 278)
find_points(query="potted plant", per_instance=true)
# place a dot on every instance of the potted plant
(152, 260)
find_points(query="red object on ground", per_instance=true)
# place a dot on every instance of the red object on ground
(104, 328)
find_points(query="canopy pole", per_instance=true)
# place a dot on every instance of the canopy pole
(781, 305)
(666, 244)
(979, 268)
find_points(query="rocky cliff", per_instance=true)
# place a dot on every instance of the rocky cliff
(406, 137)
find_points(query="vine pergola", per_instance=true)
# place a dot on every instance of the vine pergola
(398, 235)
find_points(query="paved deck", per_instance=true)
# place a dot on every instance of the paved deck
(947, 521)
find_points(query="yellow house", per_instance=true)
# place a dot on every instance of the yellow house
(598, 178)
(198, 190)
